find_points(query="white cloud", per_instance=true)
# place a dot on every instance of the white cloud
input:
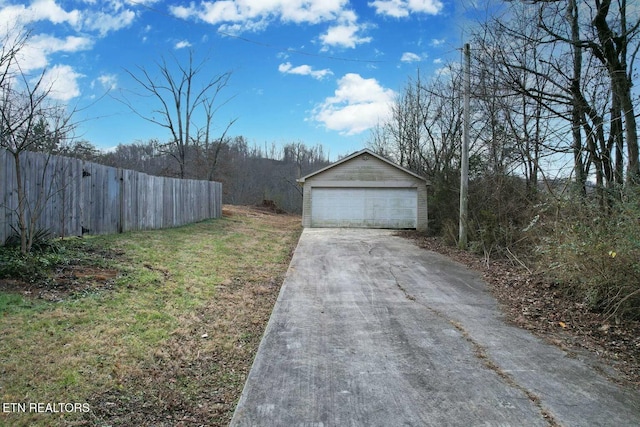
(304, 70)
(62, 80)
(345, 33)
(312, 11)
(248, 26)
(48, 10)
(182, 44)
(402, 8)
(39, 10)
(244, 15)
(108, 82)
(437, 42)
(136, 2)
(410, 57)
(68, 44)
(221, 11)
(238, 16)
(104, 23)
(112, 16)
(447, 69)
(35, 53)
(357, 105)
(183, 12)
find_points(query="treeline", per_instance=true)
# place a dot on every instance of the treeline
(554, 163)
(249, 174)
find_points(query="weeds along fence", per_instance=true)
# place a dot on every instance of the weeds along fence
(71, 197)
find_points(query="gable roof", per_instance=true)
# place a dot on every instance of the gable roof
(356, 154)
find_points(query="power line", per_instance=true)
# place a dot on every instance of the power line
(300, 52)
(265, 45)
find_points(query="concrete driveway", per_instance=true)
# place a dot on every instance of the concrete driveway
(370, 330)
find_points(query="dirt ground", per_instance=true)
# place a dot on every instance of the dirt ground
(531, 302)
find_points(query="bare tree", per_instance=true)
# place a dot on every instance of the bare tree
(179, 97)
(80, 149)
(378, 140)
(552, 56)
(424, 131)
(607, 32)
(613, 51)
(520, 97)
(29, 120)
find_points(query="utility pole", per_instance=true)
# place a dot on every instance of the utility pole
(464, 166)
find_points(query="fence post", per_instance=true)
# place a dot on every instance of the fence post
(119, 176)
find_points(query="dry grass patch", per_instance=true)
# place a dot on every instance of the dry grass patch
(171, 343)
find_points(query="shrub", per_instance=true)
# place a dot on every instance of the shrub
(595, 253)
(33, 266)
(500, 208)
(444, 205)
(43, 240)
(36, 265)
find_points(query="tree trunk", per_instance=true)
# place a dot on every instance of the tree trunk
(22, 215)
(576, 113)
(631, 132)
(616, 142)
(612, 52)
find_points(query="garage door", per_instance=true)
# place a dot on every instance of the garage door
(364, 207)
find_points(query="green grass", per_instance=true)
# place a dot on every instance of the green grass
(173, 287)
(14, 303)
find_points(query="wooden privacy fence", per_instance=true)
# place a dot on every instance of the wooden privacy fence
(74, 197)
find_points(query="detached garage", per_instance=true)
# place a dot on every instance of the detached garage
(364, 190)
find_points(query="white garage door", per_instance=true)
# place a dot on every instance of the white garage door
(364, 207)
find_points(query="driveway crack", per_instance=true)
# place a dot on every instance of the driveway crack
(480, 352)
(404, 291)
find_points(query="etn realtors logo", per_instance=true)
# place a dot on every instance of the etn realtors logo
(44, 408)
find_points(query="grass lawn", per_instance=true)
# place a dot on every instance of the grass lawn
(162, 332)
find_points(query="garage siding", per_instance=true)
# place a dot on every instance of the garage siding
(358, 169)
(363, 171)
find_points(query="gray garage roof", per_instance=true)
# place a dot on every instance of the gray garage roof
(358, 153)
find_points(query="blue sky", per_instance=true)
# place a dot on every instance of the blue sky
(312, 71)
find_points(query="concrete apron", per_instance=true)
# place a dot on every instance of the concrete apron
(370, 330)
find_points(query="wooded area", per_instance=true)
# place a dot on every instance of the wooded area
(249, 174)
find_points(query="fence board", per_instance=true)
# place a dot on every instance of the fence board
(76, 197)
